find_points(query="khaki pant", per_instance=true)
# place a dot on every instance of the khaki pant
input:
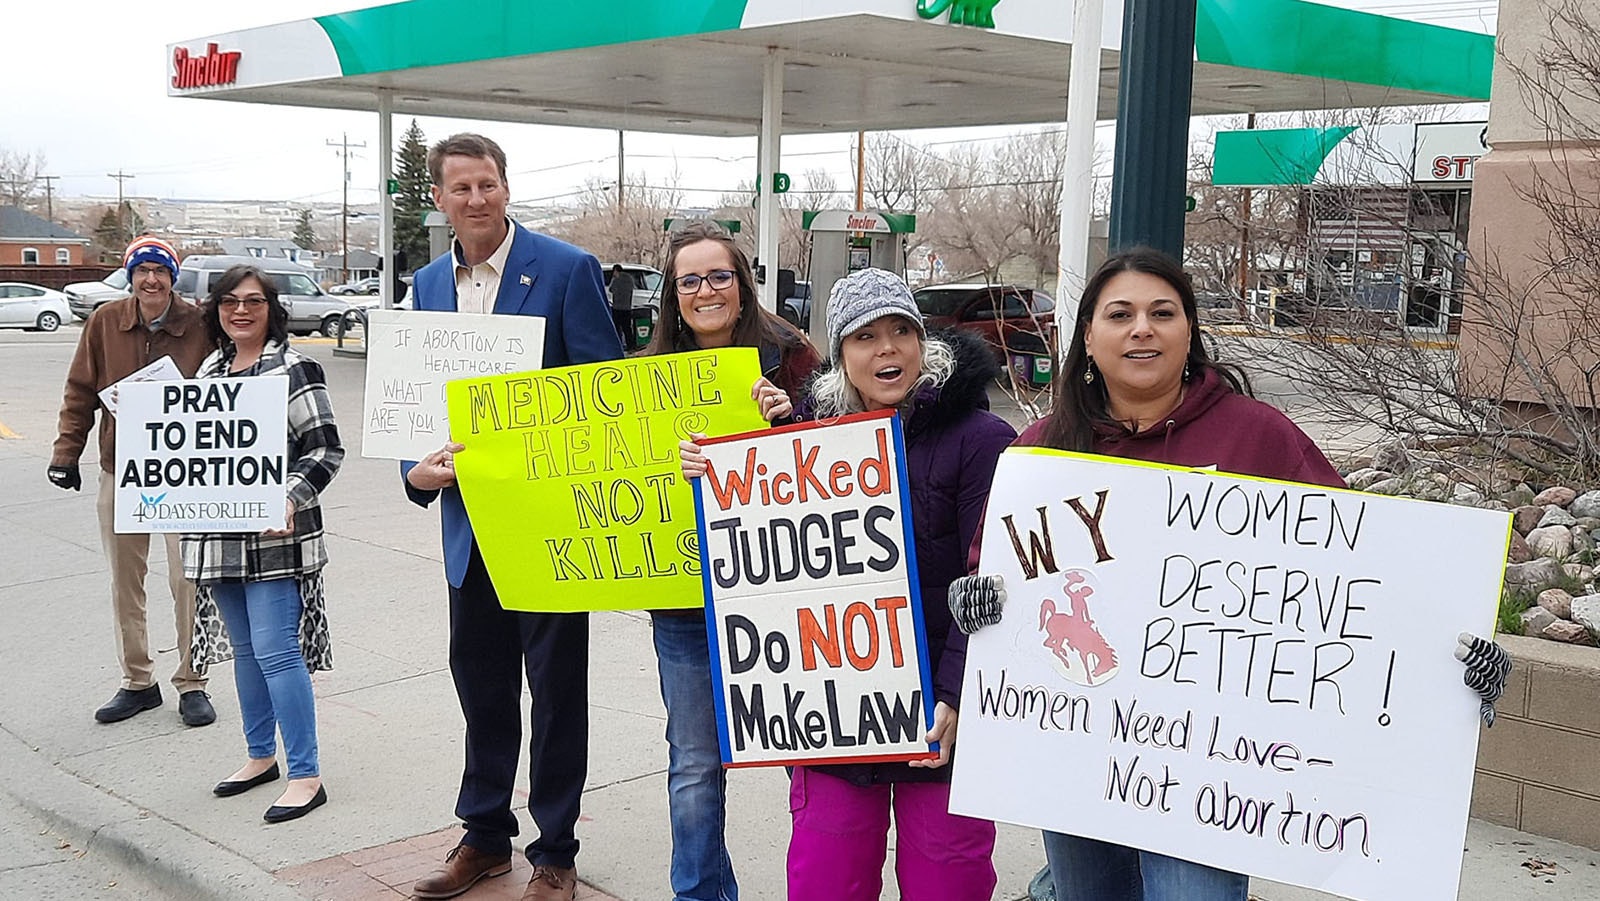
(127, 555)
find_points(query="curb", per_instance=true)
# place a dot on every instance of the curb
(164, 854)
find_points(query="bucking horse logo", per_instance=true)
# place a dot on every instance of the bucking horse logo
(1073, 632)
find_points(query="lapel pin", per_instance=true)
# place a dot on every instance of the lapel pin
(526, 280)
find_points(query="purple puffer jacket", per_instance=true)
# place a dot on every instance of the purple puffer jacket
(953, 443)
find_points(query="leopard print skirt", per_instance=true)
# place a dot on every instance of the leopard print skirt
(211, 644)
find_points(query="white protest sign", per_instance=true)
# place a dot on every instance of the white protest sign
(1250, 674)
(159, 371)
(206, 455)
(815, 624)
(410, 357)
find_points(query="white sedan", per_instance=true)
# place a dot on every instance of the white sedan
(32, 307)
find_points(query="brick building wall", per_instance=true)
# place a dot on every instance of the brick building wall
(12, 252)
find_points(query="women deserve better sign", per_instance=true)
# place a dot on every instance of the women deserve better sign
(1250, 674)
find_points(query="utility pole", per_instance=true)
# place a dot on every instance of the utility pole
(861, 169)
(122, 226)
(620, 205)
(49, 196)
(1245, 204)
(345, 147)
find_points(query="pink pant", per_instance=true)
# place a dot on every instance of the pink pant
(841, 835)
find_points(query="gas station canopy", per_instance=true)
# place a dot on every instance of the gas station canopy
(695, 66)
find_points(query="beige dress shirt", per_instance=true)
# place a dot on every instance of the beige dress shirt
(478, 286)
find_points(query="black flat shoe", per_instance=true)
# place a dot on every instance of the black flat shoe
(228, 788)
(280, 814)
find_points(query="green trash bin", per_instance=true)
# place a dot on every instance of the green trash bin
(643, 327)
(1031, 369)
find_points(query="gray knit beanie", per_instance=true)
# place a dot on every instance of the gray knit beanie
(864, 296)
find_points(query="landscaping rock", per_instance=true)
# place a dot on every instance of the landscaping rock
(1466, 495)
(1536, 619)
(1571, 633)
(1586, 612)
(1519, 496)
(1390, 486)
(1551, 541)
(1526, 518)
(1362, 479)
(1582, 540)
(1560, 495)
(1535, 575)
(1587, 505)
(1557, 601)
(1555, 516)
(1519, 552)
(1392, 457)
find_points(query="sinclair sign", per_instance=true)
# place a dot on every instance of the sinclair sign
(216, 67)
(1446, 151)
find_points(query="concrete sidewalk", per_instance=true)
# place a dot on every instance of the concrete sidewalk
(138, 793)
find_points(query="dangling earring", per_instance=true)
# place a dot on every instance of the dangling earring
(1088, 372)
(1186, 370)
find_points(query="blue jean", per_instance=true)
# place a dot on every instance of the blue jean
(1089, 870)
(263, 620)
(697, 786)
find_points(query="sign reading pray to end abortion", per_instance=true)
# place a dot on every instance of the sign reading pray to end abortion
(813, 613)
(1250, 674)
(205, 455)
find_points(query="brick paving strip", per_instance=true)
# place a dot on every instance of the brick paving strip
(386, 872)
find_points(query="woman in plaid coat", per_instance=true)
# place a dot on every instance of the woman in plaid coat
(268, 586)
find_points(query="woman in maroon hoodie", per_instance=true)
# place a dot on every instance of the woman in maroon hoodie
(1137, 383)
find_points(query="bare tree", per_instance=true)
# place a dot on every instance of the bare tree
(19, 177)
(629, 232)
(1031, 165)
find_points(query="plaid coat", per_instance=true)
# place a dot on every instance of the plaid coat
(314, 457)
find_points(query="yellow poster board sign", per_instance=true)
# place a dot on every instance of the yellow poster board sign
(572, 482)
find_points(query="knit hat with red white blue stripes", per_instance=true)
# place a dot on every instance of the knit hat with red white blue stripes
(150, 249)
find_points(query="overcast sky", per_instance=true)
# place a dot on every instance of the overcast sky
(84, 84)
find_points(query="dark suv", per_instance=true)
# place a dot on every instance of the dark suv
(1011, 318)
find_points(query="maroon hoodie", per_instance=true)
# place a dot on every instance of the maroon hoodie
(1215, 427)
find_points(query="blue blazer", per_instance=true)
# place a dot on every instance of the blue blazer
(543, 277)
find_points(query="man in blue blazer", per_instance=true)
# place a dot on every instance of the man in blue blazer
(497, 266)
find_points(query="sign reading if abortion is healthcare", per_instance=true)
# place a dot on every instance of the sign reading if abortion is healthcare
(1250, 674)
(813, 612)
(204, 455)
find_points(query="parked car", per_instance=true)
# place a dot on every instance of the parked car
(85, 297)
(646, 285)
(797, 307)
(310, 308)
(360, 286)
(372, 302)
(1011, 318)
(32, 307)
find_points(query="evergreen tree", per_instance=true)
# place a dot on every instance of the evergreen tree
(414, 200)
(305, 237)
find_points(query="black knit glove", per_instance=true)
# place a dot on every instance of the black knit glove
(975, 602)
(65, 477)
(1488, 665)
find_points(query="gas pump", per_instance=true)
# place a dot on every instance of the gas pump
(843, 241)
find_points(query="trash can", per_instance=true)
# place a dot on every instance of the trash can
(643, 327)
(1031, 369)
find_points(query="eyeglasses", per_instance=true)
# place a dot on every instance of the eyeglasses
(716, 278)
(228, 301)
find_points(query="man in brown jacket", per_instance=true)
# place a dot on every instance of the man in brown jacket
(120, 338)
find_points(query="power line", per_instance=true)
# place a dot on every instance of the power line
(345, 146)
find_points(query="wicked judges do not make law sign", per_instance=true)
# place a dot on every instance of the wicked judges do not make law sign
(572, 480)
(815, 624)
(205, 455)
(1251, 674)
(411, 355)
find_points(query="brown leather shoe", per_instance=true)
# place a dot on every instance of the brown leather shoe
(462, 869)
(551, 884)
